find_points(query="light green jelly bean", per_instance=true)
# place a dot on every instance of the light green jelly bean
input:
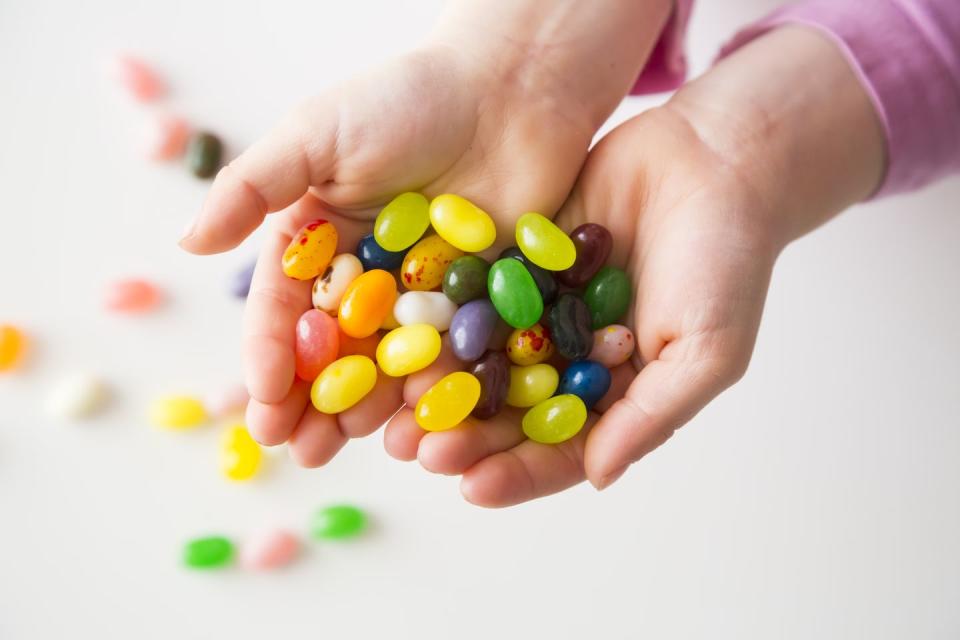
(402, 222)
(555, 420)
(207, 553)
(544, 243)
(338, 522)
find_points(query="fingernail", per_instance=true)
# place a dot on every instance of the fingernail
(610, 478)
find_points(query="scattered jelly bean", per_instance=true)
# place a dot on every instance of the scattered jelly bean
(587, 380)
(208, 553)
(240, 281)
(13, 344)
(546, 283)
(608, 296)
(424, 307)
(177, 412)
(462, 223)
(240, 455)
(310, 251)
(426, 262)
(532, 384)
(317, 345)
(448, 403)
(466, 279)
(329, 287)
(492, 371)
(226, 402)
(471, 329)
(269, 550)
(367, 302)
(343, 384)
(136, 76)
(514, 293)
(545, 243)
(529, 346)
(612, 345)
(168, 137)
(402, 222)
(373, 256)
(555, 420)
(593, 243)
(204, 154)
(408, 349)
(338, 522)
(350, 346)
(570, 326)
(76, 397)
(132, 296)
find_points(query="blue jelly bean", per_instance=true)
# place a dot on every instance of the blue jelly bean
(587, 380)
(240, 282)
(373, 256)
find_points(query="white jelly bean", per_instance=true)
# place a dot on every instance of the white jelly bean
(328, 289)
(75, 397)
(425, 307)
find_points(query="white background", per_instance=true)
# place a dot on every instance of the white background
(818, 498)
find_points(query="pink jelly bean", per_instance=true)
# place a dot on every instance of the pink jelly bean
(318, 342)
(138, 78)
(132, 296)
(227, 402)
(612, 345)
(269, 550)
(167, 137)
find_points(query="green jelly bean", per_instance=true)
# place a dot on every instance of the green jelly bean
(556, 419)
(208, 553)
(514, 293)
(607, 296)
(338, 522)
(204, 153)
(466, 279)
(402, 222)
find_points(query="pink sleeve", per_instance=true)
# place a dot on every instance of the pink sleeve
(907, 55)
(666, 68)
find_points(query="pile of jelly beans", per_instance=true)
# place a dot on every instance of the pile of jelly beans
(548, 302)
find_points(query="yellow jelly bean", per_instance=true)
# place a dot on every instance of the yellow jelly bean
(408, 349)
(448, 403)
(426, 262)
(177, 412)
(544, 243)
(531, 385)
(343, 384)
(12, 345)
(240, 455)
(555, 420)
(402, 221)
(462, 223)
(310, 251)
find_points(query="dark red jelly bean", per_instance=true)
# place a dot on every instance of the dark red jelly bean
(569, 322)
(493, 372)
(593, 243)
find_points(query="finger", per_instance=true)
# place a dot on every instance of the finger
(453, 452)
(316, 439)
(374, 410)
(402, 436)
(272, 424)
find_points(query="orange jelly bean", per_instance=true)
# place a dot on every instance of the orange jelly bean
(367, 302)
(310, 251)
(426, 262)
(12, 345)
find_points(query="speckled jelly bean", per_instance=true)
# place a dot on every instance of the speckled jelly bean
(447, 403)
(544, 243)
(586, 379)
(310, 251)
(338, 522)
(593, 244)
(177, 412)
(329, 287)
(466, 279)
(350, 346)
(570, 326)
(228, 401)
(529, 346)
(269, 550)
(546, 283)
(402, 222)
(471, 329)
(424, 307)
(75, 397)
(317, 343)
(462, 223)
(367, 302)
(204, 154)
(208, 553)
(240, 455)
(167, 137)
(373, 256)
(240, 280)
(133, 295)
(138, 78)
(406, 350)
(344, 383)
(532, 384)
(514, 293)
(492, 371)
(426, 262)
(608, 296)
(13, 344)
(555, 420)
(612, 345)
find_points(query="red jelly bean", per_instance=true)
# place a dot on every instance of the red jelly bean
(132, 296)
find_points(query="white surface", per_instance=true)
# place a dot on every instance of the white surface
(818, 498)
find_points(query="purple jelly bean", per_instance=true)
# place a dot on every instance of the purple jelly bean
(240, 282)
(471, 328)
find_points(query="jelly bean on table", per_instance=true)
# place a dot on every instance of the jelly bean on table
(240, 455)
(544, 243)
(204, 154)
(492, 371)
(570, 326)
(408, 349)
(426, 262)
(317, 343)
(424, 307)
(530, 346)
(544, 279)
(338, 522)
(471, 329)
(447, 403)
(514, 293)
(208, 553)
(461, 223)
(402, 222)
(138, 78)
(531, 385)
(310, 250)
(269, 550)
(608, 296)
(587, 380)
(466, 279)
(555, 420)
(240, 281)
(167, 138)
(612, 345)
(373, 256)
(77, 396)
(344, 383)
(177, 412)
(593, 244)
(367, 302)
(132, 295)
(13, 344)
(332, 283)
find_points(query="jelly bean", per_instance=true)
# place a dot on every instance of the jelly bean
(462, 223)
(493, 373)
(448, 403)
(350, 346)
(373, 256)
(426, 262)
(208, 553)
(240, 281)
(317, 345)
(177, 412)
(329, 287)
(168, 137)
(587, 380)
(402, 222)
(138, 78)
(310, 251)
(132, 296)
(227, 402)
(555, 420)
(76, 397)
(343, 384)
(546, 284)
(532, 384)
(612, 345)
(367, 302)
(13, 344)
(514, 293)
(338, 522)
(240, 455)
(466, 279)
(471, 329)
(530, 346)
(204, 154)
(424, 307)
(269, 550)
(593, 243)
(569, 322)
(545, 243)
(408, 349)
(608, 296)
